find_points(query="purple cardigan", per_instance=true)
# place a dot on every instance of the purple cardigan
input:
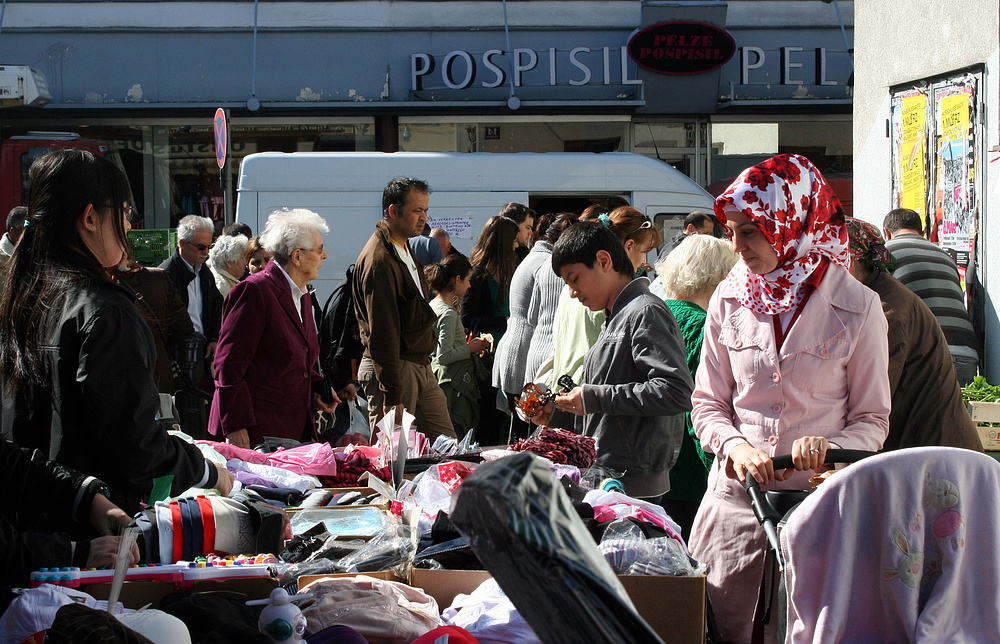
(265, 362)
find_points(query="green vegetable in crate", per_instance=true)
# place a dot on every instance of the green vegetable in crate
(980, 391)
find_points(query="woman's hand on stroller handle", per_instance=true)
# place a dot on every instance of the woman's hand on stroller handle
(808, 453)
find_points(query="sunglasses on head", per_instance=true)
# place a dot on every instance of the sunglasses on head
(643, 226)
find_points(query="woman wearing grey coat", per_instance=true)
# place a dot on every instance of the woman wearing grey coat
(534, 296)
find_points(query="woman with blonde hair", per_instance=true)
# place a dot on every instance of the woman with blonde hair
(690, 273)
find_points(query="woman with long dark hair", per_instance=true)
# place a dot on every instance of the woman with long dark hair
(486, 307)
(76, 356)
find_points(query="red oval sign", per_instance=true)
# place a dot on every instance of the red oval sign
(681, 47)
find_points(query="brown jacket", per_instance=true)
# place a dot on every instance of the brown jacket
(167, 317)
(927, 407)
(395, 320)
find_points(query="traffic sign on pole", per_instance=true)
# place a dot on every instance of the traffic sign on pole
(221, 137)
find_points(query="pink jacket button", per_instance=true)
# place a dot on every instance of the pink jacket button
(776, 408)
(775, 377)
(738, 344)
(773, 440)
(824, 352)
(716, 442)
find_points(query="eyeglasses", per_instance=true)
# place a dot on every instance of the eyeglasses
(202, 247)
(643, 226)
(311, 250)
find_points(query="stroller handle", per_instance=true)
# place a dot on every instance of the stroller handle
(784, 461)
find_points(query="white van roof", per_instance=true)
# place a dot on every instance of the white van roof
(536, 173)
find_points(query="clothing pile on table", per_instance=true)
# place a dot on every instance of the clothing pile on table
(451, 517)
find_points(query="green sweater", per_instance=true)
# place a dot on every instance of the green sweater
(689, 475)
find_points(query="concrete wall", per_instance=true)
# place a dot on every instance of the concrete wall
(904, 41)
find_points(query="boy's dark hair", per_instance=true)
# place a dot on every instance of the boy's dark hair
(398, 189)
(580, 243)
(903, 218)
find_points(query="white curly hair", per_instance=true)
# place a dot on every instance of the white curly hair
(228, 249)
(290, 228)
(696, 266)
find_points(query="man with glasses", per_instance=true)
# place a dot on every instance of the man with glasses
(197, 289)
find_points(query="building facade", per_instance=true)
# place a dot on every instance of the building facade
(463, 75)
(926, 136)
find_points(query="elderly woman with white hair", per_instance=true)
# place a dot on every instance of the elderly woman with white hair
(266, 378)
(225, 260)
(690, 274)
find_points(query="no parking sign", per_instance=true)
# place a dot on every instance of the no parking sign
(221, 137)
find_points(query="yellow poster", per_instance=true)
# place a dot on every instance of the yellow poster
(955, 117)
(913, 153)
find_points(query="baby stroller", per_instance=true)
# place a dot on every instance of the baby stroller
(898, 548)
(772, 508)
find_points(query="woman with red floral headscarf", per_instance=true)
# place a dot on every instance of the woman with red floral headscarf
(795, 360)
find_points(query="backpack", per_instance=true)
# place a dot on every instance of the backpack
(340, 348)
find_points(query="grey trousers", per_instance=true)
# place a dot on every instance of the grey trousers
(422, 397)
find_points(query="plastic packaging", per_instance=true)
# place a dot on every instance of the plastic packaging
(391, 550)
(629, 552)
(360, 521)
(523, 527)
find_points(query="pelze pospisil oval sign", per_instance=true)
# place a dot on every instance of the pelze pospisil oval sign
(681, 47)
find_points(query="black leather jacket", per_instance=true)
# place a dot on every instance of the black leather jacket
(97, 413)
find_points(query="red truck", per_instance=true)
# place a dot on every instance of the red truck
(18, 152)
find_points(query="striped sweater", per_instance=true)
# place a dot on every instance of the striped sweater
(931, 273)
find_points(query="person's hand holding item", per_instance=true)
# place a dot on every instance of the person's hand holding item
(106, 517)
(239, 438)
(224, 484)
(571, 401)
(104, 551)
(478, 345)
(809, 452)
(319, 405)
(748, 460)
(348, 393)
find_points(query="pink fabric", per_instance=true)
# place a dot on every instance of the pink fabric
(830, 379)
(794, 207)
(900, 547)
(317, 459)
(604, 513)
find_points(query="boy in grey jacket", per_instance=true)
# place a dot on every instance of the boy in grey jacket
(636, 381)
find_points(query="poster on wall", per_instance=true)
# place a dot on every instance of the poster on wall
(955, 198)
(909, 148)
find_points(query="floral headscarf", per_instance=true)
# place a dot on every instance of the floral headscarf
(797, 211)
(866, 244)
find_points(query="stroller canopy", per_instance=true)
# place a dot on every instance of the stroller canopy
(900, 547)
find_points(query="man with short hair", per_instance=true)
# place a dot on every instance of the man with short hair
(395, 319)
(930, 272)
(15, 224)
(196, 286)
(524, 217)
(698, 223)
(443, 238)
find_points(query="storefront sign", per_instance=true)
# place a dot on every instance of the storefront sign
(681, 47)
(579, 66)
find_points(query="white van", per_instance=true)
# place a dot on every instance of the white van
(345, 188)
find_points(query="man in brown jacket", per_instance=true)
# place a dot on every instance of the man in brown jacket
(395, 319)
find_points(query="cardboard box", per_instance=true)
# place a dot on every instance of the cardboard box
(385, 575)
(983, 413)
(674, 607)
(136, 594)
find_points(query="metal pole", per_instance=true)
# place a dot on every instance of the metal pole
(253, 67)
(513, 103)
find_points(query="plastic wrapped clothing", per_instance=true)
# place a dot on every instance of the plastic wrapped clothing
(522, 526)
(900, 547)
(489, 616)
(317, 459)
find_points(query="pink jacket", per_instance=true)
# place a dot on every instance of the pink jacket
(830, 379)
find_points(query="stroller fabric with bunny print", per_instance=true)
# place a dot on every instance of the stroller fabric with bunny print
(901, 547)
